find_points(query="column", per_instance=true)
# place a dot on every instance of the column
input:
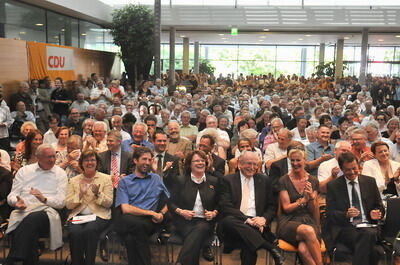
(303, 63)
(3, 15)
(157, 38)
(67, 32)
(364, 51)
(339, 59)
(171, 74)
(196, 57)
(321, 53)
(185, 69)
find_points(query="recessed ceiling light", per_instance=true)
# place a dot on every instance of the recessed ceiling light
(346, 38)
(39, 24)
(221, 34)
(265, 29)
(225, 41)
(262, 37)
(22, 32)
(308, 35)
(397, 36)
(56, 37)
(260, 40)
(183, 36)
(300, 39)
(380, 40)
(62, 30)
(223, 38)
(83, 34)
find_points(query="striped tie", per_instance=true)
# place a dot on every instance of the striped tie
(115, 169)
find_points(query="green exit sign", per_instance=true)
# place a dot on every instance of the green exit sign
(234, 31)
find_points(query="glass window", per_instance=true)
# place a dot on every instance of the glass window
(288, 53)
(381, 54)
(330, 53)
(62, 30)
(287, 68)
(258, 53)
(91, 36)
(22, 21)
(379, 69)
(221, 52)
(256, 67)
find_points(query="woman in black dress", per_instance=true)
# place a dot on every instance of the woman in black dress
(297, 224)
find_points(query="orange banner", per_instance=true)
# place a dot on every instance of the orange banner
(50, 60)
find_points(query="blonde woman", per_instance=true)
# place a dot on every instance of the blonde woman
(298, 221)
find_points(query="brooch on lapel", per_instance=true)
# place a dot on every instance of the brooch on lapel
(211, 186)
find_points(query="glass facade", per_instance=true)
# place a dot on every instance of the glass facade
(31, 23)
(285, 59)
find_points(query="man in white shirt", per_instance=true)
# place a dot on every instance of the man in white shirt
(5, 122)
(100, 94)
(278, 150)
(212, 122)
(50, 136)
(38, 189)
(329, 170)
(116, 123)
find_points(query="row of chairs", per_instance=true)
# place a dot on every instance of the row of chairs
(168, 241)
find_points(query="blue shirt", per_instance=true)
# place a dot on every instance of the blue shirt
(316, 150)
(144, 193)
(126, 145)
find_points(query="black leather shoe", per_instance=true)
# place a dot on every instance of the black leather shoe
(276, 255)
(208, 254)
(103, 250)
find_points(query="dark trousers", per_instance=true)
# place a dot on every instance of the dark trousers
(248, 238)
(363, 243)
(135, 231)
(83, 240)
(25, 238)
(195, 234)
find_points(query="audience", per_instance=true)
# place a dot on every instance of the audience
(252, 122)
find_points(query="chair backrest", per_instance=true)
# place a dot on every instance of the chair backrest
(392, 222)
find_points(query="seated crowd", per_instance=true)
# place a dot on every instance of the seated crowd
(213, 155)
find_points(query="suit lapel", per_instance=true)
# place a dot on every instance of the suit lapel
(343, 189)
(108, 161)
(258, 192)
(285, 166)
(237, 186)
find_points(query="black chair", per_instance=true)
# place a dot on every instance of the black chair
(391, 226)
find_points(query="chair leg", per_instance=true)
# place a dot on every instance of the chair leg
(334, 256)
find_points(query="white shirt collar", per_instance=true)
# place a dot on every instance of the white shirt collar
(38, 168)
(196, 180)
(355, 181)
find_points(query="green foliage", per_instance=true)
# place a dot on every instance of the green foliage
(133, 30)
(206, 67)
(327, 69)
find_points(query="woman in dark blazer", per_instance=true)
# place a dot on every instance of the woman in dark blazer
(193, 205)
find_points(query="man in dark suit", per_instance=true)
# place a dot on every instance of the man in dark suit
(353, 199)
(247, 206)
(216, 163)
(164, 164)
(114, 161)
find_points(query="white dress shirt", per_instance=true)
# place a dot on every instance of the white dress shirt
(5, 160)
(51, 183)
(5, 118)
(118, 154)
(325, 169)
(357, 187)
(198, 206)
(273, 151)
(251, 208)
(50, 137)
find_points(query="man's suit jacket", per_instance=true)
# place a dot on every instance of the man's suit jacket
(185, 200)
(231, 196)
(6, 180)
(338, 202)
(218, 165)
(125, 165)
(169, 176)
(277, 170)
